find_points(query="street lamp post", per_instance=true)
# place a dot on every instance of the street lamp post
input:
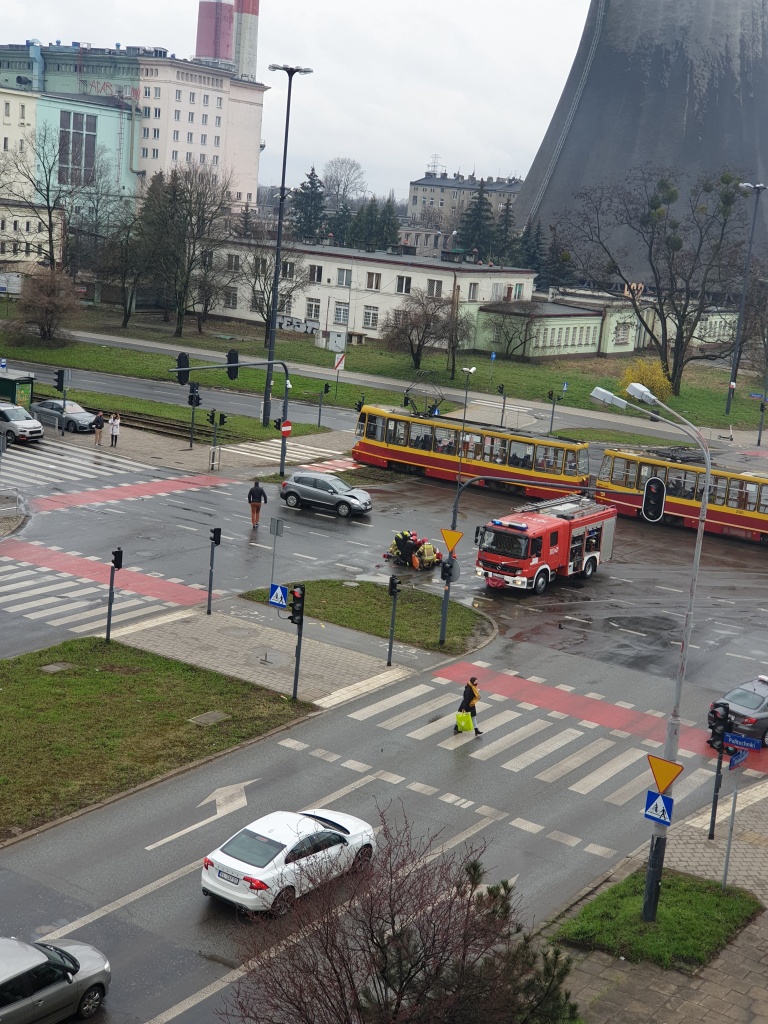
(467, 371)
(266, 405)
(672, 738)
(758, 190)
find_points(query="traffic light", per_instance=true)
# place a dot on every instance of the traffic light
(278, 423)
(216, 535)
(326, 388)
(762, 407)
(653, 499)
(406, 401)
(551, 395)
(193, 398)
(720, 711)
(446, 570)
(222, 419)
(59, 380)
(394, 586)
(297, 604)
(232, 371)
(211, 417)
(500, 389)
(117, 558)
(182, 362)
(359, 405)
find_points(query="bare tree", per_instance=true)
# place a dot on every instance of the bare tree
(686, 247)
(415, 937)
(126, 258)
(343, 178)
(216, 274)
(47, 302)
(96, 212)
(422, 321)
(257, 272)
(185, 215)
(513, 331)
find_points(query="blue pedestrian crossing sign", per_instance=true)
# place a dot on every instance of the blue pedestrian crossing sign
(278, 596)
(658, 807)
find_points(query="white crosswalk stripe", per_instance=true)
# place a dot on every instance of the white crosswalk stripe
(267, 452)
(619, 780)
(49, 463)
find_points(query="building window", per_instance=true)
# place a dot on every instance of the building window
(315, 270)
(7, 109)
(216, 160)
(341, 312)
(191, 117)
(191, 97)
(248, 196)
(373, 282)
(174, 154)
(5, 144)
(178, 95)
(157, 92)
(415, 201)
(370, 316)
(177, 115)
(233, 261)
(343, 277)
(145, 133)
(76, 147)
(22, 111)
(230, 298)
(155, 154)
(497, 291)
(622, 334)
(202, 158)
(404, 285)
(442, 203)
(205, 99)
(217, 122)
(147, 92)
(238, 196)
(434, 288)
(157, 111)
(189, 158)
(204, 119)
(216, 140)
(285, 306)
(175, 136)
(155, 133)
(313, 309)
(144, 152)
(203, 140)
(190, 137)
(146, 111)
(219, 102)
(518, 292)
(473, 292)
(289, 270)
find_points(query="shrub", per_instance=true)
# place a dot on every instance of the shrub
(648, 372)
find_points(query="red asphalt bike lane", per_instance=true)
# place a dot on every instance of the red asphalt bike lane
(588, 709)
(148, 489)
(125, 579)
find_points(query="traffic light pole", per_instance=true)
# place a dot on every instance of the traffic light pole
(117, 563)
(394, 591)
(215, 541)
(299, 634)
(716, 793)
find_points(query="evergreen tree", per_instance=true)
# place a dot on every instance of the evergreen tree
(308, 207)
(364, 229)
(389, 224)
(532, 248)
(477, 225)
(506, 243)
(556, 270)
(339, 224)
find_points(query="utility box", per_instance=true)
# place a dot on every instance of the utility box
(16, 387)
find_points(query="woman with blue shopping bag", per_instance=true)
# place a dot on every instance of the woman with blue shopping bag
(465, 716)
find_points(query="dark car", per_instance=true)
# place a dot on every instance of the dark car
(73, 418)
(325, 492)
(748, 704)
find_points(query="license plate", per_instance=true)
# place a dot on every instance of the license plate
(229, 878)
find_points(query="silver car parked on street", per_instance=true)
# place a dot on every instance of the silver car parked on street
(324, 491)
(46, 981)
(73, 418)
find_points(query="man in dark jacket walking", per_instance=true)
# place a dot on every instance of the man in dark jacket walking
(469, 702)
(256, 496)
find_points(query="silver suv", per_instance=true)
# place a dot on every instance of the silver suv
(325, 492)
(18, 425)
(41, 981)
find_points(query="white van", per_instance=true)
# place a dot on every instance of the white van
(17, 424)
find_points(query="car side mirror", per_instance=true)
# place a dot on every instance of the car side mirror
(70, 977)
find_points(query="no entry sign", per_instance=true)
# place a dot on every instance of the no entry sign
(285, 428)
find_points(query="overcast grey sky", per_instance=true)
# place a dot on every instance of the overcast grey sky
(393, 83)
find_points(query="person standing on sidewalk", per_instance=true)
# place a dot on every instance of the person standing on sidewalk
(469, 702)
(98, 426)
(114, 429)
(256, 496)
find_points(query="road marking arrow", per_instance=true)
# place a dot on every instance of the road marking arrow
(227, 800)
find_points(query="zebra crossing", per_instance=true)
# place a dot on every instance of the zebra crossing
(268, 452)
(61, 599)
(36, 467)
(548, 745)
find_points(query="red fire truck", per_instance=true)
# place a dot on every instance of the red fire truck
(561, 537)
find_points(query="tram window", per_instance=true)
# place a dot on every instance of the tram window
(495, 450)
(763, 507)
(741, 494)
(646, 472)
(549, 458)
(445, 441)
(472, 445)
(605, 467)
(374, 428)
(583, 461)
(690, 485)
(717, 490)
(521, 454)
(397, 432)
(675, 479)
(420, 436)
(619, 474)
(360, 428)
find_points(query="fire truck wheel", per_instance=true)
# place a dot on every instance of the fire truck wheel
(540, 583)
(590, 569)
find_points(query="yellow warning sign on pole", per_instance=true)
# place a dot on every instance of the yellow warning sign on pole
(664, 772)
(451, 538)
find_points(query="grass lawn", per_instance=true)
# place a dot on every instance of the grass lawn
(695, 920)
(617, 438)
(367, 607)
(117, 717)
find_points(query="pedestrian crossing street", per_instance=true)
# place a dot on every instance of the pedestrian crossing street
(268, 452)
(61, 599)
(35, 468)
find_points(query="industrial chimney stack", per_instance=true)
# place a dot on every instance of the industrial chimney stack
(227, 31)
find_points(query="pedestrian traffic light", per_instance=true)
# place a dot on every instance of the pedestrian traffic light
(193, 398)
(359, 405)
(551, 395)
(297, 604)
(762, 407)
(59, 380)
(406, 401)
(720, 713)
(216, 535)
(394, 586)
(278, 423)
(182, 362)
(117, 558)
(653, 499)
(222, 419)
(446, 570)
(211, 417)
(326, 388)
(500, 389)
(233, 370)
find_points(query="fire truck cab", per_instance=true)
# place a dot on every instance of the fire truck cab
(561, 537)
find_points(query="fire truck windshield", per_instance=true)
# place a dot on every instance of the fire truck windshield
(501, 542)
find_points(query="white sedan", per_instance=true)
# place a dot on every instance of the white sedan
(270, 862)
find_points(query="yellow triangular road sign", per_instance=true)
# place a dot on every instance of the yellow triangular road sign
(451, 538)
(664, 772)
